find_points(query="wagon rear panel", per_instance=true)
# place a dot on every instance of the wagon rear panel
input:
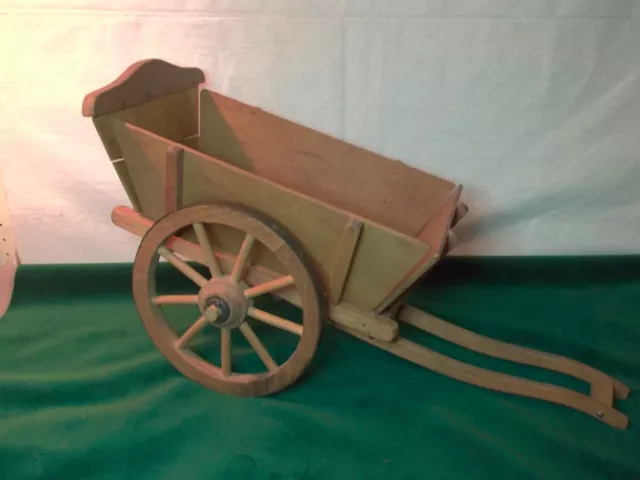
(326, 168)
(151, 93)
(381, 259)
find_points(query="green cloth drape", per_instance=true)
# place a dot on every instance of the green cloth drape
(85, 394)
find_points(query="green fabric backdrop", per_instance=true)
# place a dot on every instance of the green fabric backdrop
(85, 394)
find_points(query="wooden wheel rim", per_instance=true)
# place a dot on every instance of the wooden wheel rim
(285, 248)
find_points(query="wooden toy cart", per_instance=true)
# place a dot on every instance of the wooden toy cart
(267, 206)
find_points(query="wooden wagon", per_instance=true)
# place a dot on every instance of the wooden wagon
(269, 207)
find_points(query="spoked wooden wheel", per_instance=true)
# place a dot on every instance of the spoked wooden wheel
(225, 299)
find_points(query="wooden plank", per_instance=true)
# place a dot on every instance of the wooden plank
(326, 168)
(382, 328)
(383, 256)
(344, 259)
(141, 82)
(174, 116)
(173, 179)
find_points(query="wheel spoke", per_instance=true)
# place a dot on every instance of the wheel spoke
(257, 345)
(182, 266)
(175, 299)
(269, 287)
(207, 249)
(243, 256)
(275, 321)
(191, 332)
(225, 351)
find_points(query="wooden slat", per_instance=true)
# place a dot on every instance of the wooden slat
(344, 259)
(318, 226)
(324, 167)
(173, 178)
(380, 327)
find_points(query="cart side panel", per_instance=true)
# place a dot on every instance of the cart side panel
(383, 256)
(326, 168)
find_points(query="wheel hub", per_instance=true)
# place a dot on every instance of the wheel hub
(222, 302)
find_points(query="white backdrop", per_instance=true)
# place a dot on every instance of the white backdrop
(533, 106)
